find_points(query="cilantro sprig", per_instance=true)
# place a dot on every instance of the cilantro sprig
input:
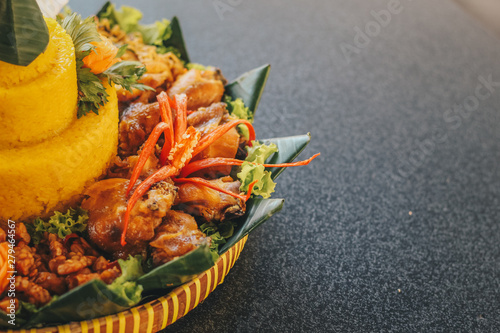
(91, 91)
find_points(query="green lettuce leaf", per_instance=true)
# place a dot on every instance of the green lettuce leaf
(218, 234)
(75, 220)
(250, 173)
(258, 153)
(238, 109)
(125, 286)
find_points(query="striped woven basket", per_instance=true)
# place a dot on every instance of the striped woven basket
(157, 314)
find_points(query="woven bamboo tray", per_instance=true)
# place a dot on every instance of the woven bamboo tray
(157, 314)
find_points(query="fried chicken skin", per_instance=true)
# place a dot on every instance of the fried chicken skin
(210, 205)
(107, 203)
(176, 236)
(136, 123)
(201, 87)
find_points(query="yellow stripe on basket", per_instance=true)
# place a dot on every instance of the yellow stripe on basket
(197, 293)
(151, 317)
(22, 331)
(187, 290)
(241, 243)
(175, 304)
(216, 273)
(231, 255)
(121, 322)
(60, 329)
(209, 278)
(84, 326)
(109, 324)
(97, 325)
(164, 304)
(33, 330)
(137, 319)
(224, 264)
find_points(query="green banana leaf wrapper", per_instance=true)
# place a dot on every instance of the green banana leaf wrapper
(95, 298)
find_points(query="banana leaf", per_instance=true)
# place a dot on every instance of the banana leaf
(178, 271)
(90, 300)
(95, 299)
(249, 87)
(258, 211)
(23, 32)
(171, 38)
(19, 321)
(289, 148)
(176, 40)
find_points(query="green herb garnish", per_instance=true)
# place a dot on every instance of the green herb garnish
(91, 91)
(75, 220)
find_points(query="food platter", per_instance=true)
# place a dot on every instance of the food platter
(141, 276)
(161, 312)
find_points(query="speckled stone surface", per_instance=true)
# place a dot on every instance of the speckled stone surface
(400, 130)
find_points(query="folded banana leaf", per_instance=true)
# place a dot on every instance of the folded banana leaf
(178, 271)
(23, 32)
(249, 87)
(95, 298)
(171, 37)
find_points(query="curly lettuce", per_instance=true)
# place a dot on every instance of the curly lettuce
(125, 286)
(249, 172)
(238, 109)
(75, 220)
(219, 234)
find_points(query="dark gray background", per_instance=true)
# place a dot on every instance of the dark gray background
(345, 255)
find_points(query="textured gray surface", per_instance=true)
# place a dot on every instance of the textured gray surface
(345, 255)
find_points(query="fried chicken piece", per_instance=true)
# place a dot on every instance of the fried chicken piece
(176, 236)
(122, 168)
(208, 204)
(107, 204)
(201, 87)
(205, 120)
(136, 123)
(3, 235)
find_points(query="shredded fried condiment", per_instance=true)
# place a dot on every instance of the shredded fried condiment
(161, 69)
